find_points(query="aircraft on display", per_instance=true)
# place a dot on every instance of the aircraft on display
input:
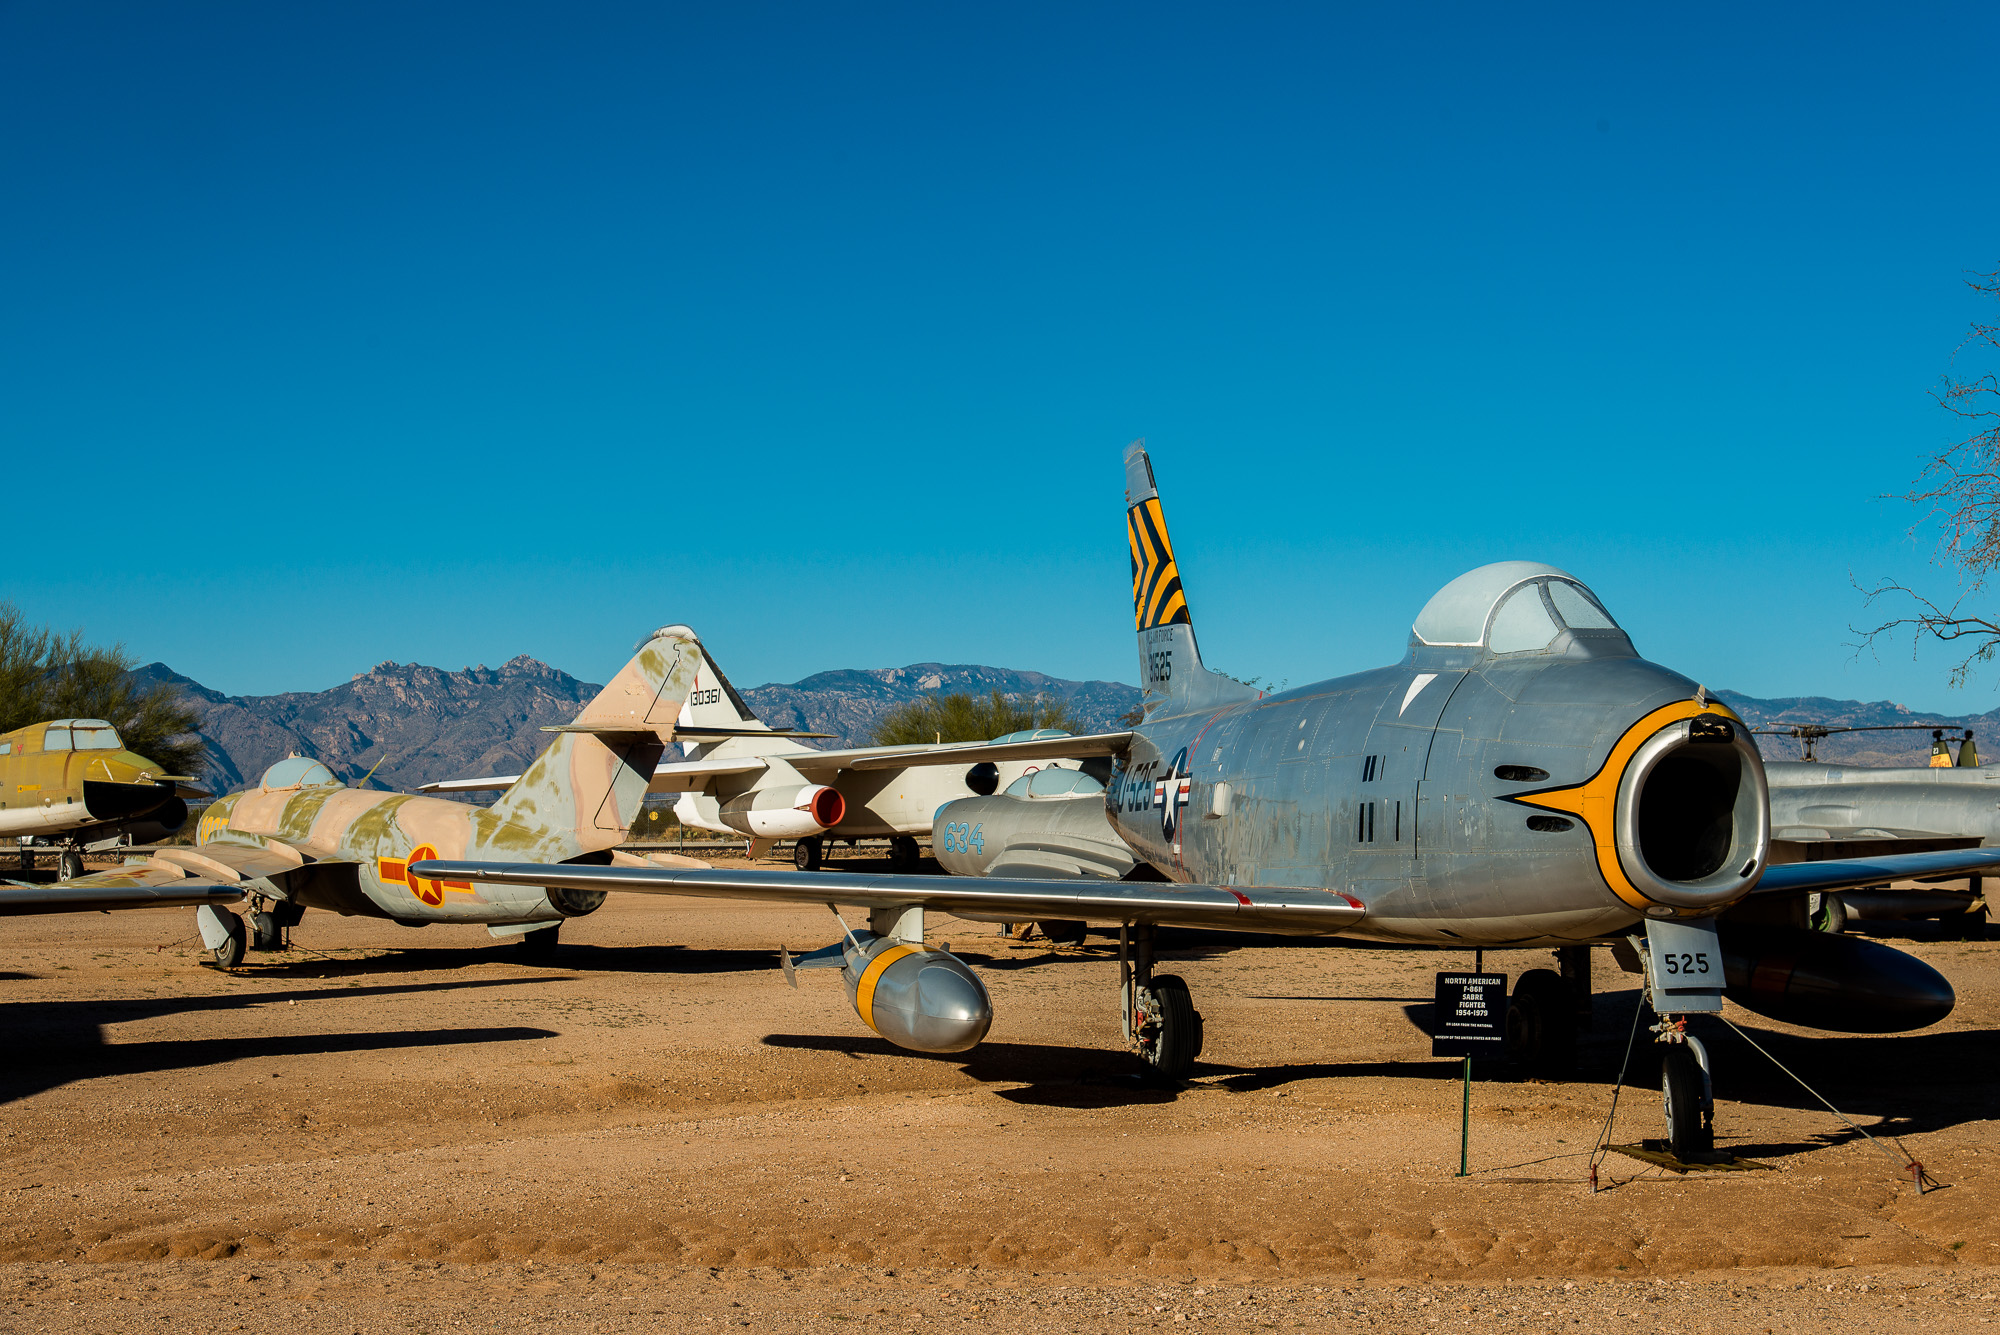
(302, 840)
(741, 776)
(71, 782)
(1521, 778)
(1821, 810)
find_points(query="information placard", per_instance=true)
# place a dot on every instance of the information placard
(1471, 1015)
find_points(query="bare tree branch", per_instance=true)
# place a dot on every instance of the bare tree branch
(1960, 492)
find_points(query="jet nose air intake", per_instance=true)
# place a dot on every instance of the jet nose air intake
(1679, 812)
(1693, 815)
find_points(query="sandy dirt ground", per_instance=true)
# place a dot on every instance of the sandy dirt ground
(396, 1130)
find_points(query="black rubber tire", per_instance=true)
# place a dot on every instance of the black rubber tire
(230, 953)
(1063, 931)
(1172, 1051)
(265, 934)
(69, 865)
(539, 947)
(1683, 1095)
(903, 853)
(1541, 1023)
(1830, 914)
(806, 854)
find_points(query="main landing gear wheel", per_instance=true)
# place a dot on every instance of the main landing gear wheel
(1684, 1095)
(1827, 912)
(1541, 1023)
(806, 854)
(903, 853)
(540, 947)
(230, 953)
(69, 865)
(265, 934)
(1165, 1026)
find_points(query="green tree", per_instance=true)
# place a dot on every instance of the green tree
(45, 675)
(970, 718)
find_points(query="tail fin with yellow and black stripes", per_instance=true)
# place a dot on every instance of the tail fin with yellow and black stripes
(1170, 669)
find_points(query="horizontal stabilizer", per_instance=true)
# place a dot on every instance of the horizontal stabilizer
(1300, 911)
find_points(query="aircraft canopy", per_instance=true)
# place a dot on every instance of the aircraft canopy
(1510, 607)
(298, 772)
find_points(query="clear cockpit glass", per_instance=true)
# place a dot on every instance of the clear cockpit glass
(94, 735)
(1510, 607)
(1523, 623)
(1577, 608)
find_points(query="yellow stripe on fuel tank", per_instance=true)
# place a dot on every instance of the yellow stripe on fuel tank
(864, 991)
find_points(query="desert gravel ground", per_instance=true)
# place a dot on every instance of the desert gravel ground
(395, 1130)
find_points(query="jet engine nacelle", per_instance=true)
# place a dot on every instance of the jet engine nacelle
(785, 813)
(1822, 981)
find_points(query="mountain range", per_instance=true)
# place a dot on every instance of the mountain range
(398, 725)
(401, 724)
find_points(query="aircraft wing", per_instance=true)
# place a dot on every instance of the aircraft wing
(143, 887)
(1262, 908)
(687, 776)
(1800, 878)
(964, 753)
(672, 776)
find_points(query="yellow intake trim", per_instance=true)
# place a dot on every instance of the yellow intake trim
(1595, 800)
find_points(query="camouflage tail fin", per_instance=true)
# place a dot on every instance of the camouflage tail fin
(1170, 667)
(714, 703)
(582, 794)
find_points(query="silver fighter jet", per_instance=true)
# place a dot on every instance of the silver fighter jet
(1521, 778)
(1821, 810)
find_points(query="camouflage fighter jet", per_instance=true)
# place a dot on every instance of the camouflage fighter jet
(1521, 778)
(302, 840)
(71, 782)
(741, 776)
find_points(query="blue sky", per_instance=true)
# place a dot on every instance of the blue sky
(335, 334)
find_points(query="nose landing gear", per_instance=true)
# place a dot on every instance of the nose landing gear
(1686, 1096)
(1683, 971)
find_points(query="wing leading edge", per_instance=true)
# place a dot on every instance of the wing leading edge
(1263, 908)
(18, 900)
(1801, 878)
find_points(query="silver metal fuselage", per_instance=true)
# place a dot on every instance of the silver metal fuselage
(1383, 785)
(1842, 804)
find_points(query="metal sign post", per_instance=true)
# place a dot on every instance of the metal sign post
(1470, 1020)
